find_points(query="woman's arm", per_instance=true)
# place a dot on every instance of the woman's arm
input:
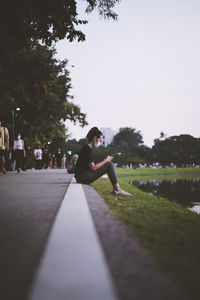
(7, 144)
(6, 133)
(100, 164)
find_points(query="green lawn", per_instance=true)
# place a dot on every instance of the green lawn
(170, 231)
(149, 173)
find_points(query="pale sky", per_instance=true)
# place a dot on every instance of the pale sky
(142, 71)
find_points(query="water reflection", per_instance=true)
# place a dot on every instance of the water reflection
(183, 191)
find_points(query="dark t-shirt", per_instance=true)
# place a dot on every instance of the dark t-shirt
(85, 157)
(59, 156)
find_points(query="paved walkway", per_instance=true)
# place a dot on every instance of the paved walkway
(54, 246)
(29, 202)
(73, 266)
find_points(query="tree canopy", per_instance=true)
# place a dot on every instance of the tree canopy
(181, 150)
(46, 20)
(39, 85)
(30, 76)
(128, 137)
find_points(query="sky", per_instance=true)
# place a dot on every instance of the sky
(142, 71)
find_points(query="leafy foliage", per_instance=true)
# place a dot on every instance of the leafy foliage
(180, 150)
(39, 84)
(46, 20)
(30, 77)
(128, 137)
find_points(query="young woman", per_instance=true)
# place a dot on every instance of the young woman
(19, 152)
(87, 171)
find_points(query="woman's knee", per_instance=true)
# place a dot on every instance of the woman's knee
(109, 164)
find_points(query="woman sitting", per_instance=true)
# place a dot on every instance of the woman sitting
(86, 171)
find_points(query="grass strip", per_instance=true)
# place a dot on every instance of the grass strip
(159, 173)
(169, 231)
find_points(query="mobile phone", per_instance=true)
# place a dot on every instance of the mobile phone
(116, 154)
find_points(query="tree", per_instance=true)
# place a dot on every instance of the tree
(127, 138)
(29, 75)
(74, 145)
(46, 20)
(180, 150)
(162, 137)
(39, 84)
(129, 142)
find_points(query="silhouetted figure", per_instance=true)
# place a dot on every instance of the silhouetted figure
(59, 157)
(45, 157)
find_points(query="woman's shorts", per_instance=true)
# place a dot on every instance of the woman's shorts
(2, 152)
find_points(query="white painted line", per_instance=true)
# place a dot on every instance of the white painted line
(73, 266)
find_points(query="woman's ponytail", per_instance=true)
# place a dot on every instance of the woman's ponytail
(94, 131)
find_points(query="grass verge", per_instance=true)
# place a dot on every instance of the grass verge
(169, 231)
(162, 173)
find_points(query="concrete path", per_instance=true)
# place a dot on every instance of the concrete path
(29, 202)
(49, 232)
(73, 266)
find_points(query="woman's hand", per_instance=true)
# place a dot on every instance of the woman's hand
(100, 164)
(109, 158)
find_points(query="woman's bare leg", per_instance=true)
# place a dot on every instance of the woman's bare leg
(117, 187)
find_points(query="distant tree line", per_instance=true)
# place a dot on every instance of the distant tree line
(181, 150)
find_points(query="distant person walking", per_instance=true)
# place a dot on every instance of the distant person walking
(19, 152)
(67, 160)
(38, 157)
(86, 171)
(45, 157)
(72, 164)
(59, 157)
(4, 146)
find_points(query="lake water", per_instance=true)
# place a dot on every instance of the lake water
(183, 191)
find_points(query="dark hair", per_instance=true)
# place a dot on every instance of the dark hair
(94, 131)
(16, 135)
